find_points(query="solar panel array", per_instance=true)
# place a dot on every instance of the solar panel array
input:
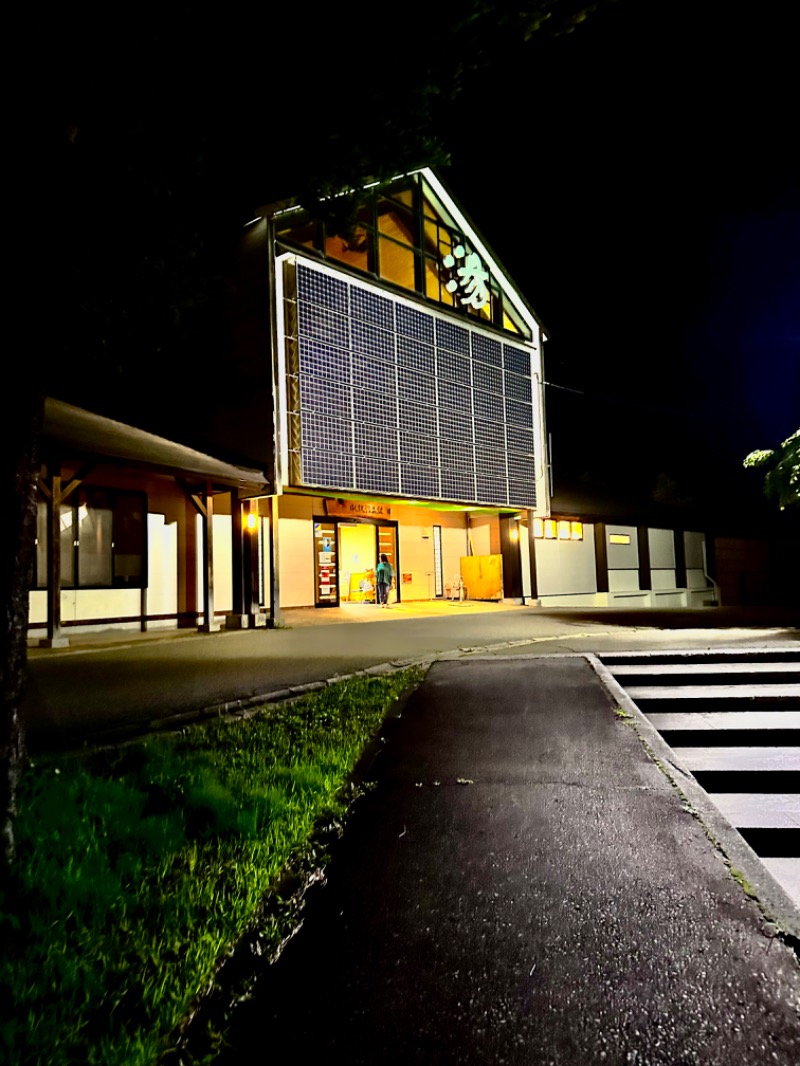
(401, 401)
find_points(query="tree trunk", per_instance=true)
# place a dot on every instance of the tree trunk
(22, 424)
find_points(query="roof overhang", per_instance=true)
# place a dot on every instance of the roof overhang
(81, 434)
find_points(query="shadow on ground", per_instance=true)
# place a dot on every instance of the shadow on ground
(782, 617)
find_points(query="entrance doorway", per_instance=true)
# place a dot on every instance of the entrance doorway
(346, 553)
(361, 544)
(357, 562)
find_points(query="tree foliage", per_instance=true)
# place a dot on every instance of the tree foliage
(782, 470)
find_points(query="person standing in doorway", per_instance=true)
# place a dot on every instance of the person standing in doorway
(384, 575)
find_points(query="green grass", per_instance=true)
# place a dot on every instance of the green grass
(140, 867)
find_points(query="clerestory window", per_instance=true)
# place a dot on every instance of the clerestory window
(404, 236)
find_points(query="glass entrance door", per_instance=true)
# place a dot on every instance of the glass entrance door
(357, 562)
(360, 544)
(387, 545)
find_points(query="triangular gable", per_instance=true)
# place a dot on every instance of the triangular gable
(410, 232)
(451, 214)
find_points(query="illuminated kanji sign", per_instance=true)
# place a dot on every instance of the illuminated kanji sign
(472, 277)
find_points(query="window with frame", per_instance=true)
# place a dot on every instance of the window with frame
(404, 236)
(103, 540)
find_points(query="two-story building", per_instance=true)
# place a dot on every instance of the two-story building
(389, 399)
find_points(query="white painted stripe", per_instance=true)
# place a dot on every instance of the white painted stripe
(707, 668)
(787, 873)
(725, 720)
(694, 692)
(787, 651)
(750, 810)
(779, 759)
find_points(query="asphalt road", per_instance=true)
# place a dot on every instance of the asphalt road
(524, 886)
(118, 682)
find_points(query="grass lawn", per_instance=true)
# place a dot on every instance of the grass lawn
(140, 867)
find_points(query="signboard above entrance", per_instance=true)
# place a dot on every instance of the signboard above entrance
(357, 509)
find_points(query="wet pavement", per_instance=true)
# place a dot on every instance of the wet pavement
(116, 683)
(524, 885)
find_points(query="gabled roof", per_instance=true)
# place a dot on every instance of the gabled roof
(511, 289)
(442, 203)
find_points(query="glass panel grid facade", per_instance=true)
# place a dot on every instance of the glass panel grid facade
(396, 400)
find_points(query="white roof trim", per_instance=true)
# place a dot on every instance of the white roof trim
(503, 279)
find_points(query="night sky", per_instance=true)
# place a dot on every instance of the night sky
(638, 178)
(652, 162)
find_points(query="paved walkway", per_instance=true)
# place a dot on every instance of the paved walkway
(525, 886)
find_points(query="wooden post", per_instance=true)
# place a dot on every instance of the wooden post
(512, 563)
(54, 638)
(601, 556)
(238, 618)
(252, 574)
(187, 562)
(645, 574)
(532, 557)
(246, 613)
(56, 494)
(206, 507)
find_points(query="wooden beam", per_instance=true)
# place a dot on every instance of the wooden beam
(532, 557)
(210, 625)
(55, 638)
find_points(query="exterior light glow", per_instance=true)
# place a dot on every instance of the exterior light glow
(563, 530)
(619, 538)
(252, 521)
(576, 530)
(538, 527)
(550, 529)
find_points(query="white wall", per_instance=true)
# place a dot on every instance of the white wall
(662, 549)
(662, 560)
(663, 579)
(566, 567)
(162, 568)
(80, 604)
(694, 546)
(223, 562)
(623, 580)
(454, 545)
(296, 536)
(415, 548)
(622, 556)
(415, 553)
